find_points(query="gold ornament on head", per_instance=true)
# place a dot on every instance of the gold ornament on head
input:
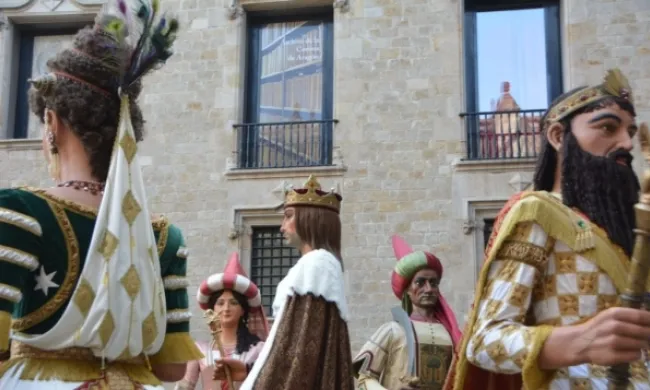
(312, 195)
(615, 84)
(44, 83)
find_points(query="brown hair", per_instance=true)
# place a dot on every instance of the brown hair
(320, 228)
(85, 96)
(245, 339)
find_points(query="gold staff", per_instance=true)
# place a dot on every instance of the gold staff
(214, 322)
(634, 294)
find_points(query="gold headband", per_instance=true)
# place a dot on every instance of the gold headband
(615, 84)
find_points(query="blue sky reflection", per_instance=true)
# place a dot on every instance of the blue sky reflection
(511, 47)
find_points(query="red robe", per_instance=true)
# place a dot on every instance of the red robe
(478, 378)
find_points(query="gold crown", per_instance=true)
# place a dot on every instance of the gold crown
(615, 84)
(312, 195)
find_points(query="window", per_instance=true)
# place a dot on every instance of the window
(271, 260)
(488, 225)
(513, 71)
(289, 90)
(36, 45)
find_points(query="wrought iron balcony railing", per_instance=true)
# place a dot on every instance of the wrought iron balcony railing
(503, 134)
(285, 144)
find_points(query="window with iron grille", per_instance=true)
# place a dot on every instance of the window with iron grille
(271, 259)
(289, 91)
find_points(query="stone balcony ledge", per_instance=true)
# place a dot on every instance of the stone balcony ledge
(21, 144)
(273, 173)
(496, 165)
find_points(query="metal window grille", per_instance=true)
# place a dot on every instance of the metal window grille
(488, 225)
(271, 260)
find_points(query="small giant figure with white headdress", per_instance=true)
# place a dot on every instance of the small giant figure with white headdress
(235, 315)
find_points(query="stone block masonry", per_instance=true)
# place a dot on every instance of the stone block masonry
(399, 87)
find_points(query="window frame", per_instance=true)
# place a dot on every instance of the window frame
(476, 211)
(23, 51)
(553, 38)
(254, 20)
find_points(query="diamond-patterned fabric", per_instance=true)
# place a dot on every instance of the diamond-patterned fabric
(121, 285)
(537, 280)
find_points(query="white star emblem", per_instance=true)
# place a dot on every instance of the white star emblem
(44, 281)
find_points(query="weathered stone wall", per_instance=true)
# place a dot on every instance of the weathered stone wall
(398, 92)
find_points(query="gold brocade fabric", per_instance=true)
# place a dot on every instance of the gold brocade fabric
(311, 349)
(79, 365)
(525, 290)
(434, 364)
(22, 350)
(434, 353)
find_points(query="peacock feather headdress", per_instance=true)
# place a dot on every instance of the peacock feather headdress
(137, 24)
(122, 272)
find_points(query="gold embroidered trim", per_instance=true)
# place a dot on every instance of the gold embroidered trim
(558, 222)
(5, 328)
(22, 350)
(21, 221)
(614, 84)
(525, 252)
(74, 365)
(63, 294)
(163, 226)
(91, 212)
(88, 211)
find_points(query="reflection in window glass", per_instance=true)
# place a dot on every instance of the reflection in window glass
(291, 72)
(511, 51)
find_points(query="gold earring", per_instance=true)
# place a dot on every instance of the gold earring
(54, 167)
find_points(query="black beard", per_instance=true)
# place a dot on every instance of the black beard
(603, 189)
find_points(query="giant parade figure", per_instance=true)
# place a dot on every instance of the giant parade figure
(308, 346)
(92, 285)
(235, 315)
(416, 348)
(547, 312)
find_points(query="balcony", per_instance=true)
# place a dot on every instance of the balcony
(285, 144)
(503, 135)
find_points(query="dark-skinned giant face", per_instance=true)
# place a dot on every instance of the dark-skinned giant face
(593, 146)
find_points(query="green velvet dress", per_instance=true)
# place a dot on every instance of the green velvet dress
(43, 244)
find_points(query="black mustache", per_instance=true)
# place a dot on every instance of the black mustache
(622, 154)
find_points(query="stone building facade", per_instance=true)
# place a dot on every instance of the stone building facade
(395, 75)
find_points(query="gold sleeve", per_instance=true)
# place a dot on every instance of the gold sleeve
(177, 348)
(500, 341)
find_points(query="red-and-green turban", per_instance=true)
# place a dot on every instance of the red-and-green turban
(408, 264)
